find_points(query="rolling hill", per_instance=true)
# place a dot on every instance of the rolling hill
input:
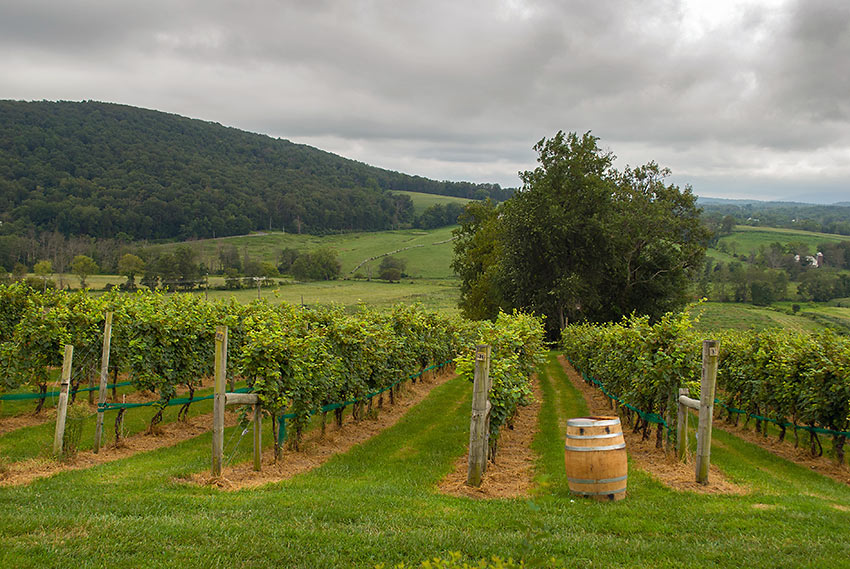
(107, 170)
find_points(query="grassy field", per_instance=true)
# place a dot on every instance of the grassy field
(428, 252)
(377, 504)
(421, 201)
(746, 239)
(717, 255)
(434, 294)
(428, 255)
(716, 316)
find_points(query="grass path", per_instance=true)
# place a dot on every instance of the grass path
(378, 503)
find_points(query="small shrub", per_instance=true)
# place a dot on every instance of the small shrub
(39, 283)
(77, 414)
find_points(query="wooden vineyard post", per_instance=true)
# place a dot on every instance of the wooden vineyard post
(682, 426)
(104, 375)
(219, 398)
(479, 427)
(258, 437)
(706, 408)
(62, 409)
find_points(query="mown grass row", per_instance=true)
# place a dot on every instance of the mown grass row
(378, 504)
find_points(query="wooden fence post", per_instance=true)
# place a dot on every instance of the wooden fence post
(62, 409)
(682, 426)
(219, 398)
(258, 437)
(479, 429)
(706, 408)
(104, 375)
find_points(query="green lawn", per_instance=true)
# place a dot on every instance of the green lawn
(378, 503)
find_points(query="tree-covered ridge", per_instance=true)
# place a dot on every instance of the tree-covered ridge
(834, 218)
(107, 170)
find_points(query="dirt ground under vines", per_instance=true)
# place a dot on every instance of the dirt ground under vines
(316, 449)
(512, 474)
(169, 434)
(785, 449)
(48, 414)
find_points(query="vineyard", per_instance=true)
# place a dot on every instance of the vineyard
(298, 362)
(378, 502)
(793, 380)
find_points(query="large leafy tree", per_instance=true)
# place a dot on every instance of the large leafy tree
(83, 266)
(477, 252)
(581, 240)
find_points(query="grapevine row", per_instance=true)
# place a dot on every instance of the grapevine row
(785, 377)
(297, 361)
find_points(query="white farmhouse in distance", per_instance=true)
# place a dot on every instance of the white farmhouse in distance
(810, 260)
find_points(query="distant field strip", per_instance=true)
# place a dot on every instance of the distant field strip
(351, 272)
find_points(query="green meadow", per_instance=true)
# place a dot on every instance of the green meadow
(421, 201)
(717, 316)
(428, 252)
(745, 239)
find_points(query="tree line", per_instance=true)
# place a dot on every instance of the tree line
(182, 269)
(765, 276)
(834, 218)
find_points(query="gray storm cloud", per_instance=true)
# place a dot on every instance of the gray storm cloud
(749, 100)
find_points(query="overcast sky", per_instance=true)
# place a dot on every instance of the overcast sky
(747, 99)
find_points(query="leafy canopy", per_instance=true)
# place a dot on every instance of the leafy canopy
(581, 240)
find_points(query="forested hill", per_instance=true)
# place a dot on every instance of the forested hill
(108, 170)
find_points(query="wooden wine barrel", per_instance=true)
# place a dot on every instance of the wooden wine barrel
(595, 457)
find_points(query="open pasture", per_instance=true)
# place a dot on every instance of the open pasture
(745, 239)
(717, 316)
(433, 294)
(428, 252)
(422, 201)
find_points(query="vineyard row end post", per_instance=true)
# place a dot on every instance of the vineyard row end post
(221, 398)
(62, 408)
(682, 424)
(710, 356)
(104, 375)
(705, 407)
(479, 427)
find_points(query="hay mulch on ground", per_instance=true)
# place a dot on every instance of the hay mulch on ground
(29, 419)
(512, 474)
(785, 449)
(48, 414)
(169, 434)
(316, 449)
(661, 465)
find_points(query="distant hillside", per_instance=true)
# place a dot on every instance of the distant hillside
(108, 170)
(834, 218)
